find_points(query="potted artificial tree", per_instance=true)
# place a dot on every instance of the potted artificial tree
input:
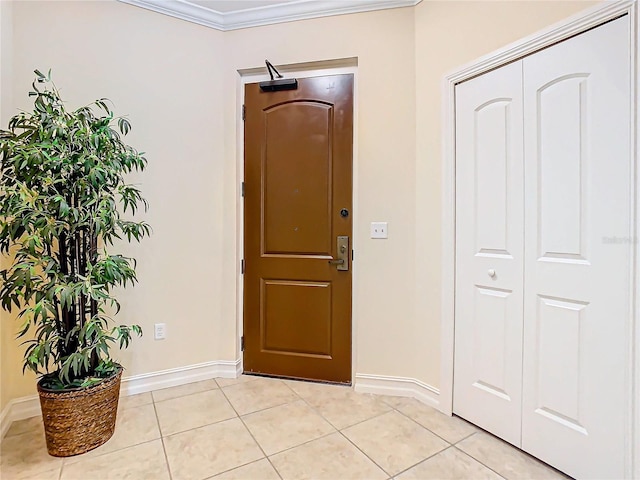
(63, 201)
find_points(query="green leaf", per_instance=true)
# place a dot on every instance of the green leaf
(62, 196)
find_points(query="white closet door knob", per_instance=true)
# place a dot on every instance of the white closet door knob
(491, 272)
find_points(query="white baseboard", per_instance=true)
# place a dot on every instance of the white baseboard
(18, 409)
(398, 387)
(147, 382)
(26, 407)
(4, 420)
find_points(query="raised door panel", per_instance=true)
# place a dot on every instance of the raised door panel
(288, 304)
(297, 184)
(563, 202)
(576, 304)
(492, 130)
(489, 229)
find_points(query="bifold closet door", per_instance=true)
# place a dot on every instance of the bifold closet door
(577, 307)
(489, 251)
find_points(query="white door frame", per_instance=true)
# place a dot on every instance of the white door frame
(572, 26)
(320, 68)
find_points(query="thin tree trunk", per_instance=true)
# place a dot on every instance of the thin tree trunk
(58, 313)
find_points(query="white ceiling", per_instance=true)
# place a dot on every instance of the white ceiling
(236, 14)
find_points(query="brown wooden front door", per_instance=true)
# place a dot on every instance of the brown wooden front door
(298, 201)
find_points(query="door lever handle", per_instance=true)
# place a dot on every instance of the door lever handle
(342, 247)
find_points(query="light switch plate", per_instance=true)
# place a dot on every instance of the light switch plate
(379, 230)
(160, 331)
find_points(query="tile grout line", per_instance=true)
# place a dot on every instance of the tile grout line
(192, 428)
(477, 460)
(367, 456)
(449, 444)
(537, 461)
(431, 431)
(340, 431)
(253, 378)
(264, 409)
(95, 457)
(421, 426)
(300, 398)
(463, 439)
(239, 466)
(8, 435)
(164, 448)
(331, 423)
(237, 384)
(344, 436)
(98, 455)
(297, 398)
(105, 453)
(424, 426)
(206, 424)
(303, 443)
(154, 401)
(365, 420)
(259, 410)
(428, 458)
(218, 387)
(315, 410)
(251, 434)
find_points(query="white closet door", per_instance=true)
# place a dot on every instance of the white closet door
(489, 251)
(577, 252)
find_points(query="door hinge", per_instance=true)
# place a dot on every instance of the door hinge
(242, 343)
(242, 189)
(244, 112)
(242, 266)
(353, 255)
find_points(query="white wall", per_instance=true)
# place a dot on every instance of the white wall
(178, 84)
(450, 34)
(166, 76)
(384, 169)
(6, 107)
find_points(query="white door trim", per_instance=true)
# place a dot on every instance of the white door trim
(633, 448)
(320, 68)
(574, 25)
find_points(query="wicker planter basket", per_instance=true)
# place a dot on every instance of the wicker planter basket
(80, 420)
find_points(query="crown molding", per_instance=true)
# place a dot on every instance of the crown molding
(254, 17)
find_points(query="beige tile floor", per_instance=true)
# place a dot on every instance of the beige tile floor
(261, 428)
